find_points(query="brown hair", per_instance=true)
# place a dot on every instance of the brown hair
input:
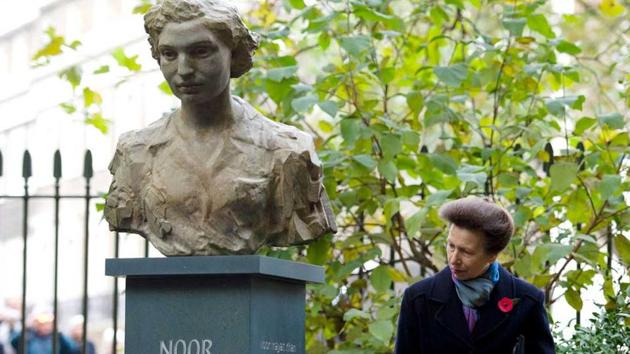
(480, 215)
(217, 15)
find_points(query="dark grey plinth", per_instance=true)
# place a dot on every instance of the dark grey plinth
(218, 305)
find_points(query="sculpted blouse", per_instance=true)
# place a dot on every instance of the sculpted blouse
(261, 184)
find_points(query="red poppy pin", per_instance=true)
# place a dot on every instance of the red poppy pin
(506, 304)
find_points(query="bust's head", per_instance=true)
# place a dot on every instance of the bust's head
(217, 16)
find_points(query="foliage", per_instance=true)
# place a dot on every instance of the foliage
(607, 334)
(417, 102)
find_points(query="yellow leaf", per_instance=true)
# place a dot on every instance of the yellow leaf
(611, 8)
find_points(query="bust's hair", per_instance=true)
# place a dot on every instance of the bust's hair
(483, 216)
(217, 15)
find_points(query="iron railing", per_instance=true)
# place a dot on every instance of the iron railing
(57, 197)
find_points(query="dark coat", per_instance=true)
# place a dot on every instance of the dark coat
(432, 319)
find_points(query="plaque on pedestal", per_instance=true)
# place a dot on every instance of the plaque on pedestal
(218, 304)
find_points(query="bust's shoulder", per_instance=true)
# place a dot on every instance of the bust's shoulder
(150, 135)
(262, 131)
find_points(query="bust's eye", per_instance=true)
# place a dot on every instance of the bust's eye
(168, 54)
(201, 51)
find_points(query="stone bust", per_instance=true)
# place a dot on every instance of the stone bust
(214, 177)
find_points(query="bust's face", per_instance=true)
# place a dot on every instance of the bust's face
(194, 61)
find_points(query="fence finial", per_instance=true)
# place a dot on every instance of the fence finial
(27, 166)
(57, 165)
(88, 171)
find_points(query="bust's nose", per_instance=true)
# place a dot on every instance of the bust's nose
(184, 66)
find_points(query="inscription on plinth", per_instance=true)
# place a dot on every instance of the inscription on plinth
(180, 346)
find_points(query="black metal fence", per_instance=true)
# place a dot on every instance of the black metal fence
(87, 197)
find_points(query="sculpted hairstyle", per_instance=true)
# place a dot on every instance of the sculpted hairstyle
(217, 16)
(476, 214)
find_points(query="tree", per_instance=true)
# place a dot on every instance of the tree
(416, 102)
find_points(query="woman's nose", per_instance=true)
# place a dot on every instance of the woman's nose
(454, 258)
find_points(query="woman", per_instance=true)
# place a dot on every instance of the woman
(213, 177)
(474, 305)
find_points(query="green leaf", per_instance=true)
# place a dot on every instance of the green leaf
(553, 252)
(562, 175)
(452, 75)
(411, 140)
(350, 130)
(387, 75)
(355, 45)
(538, 23)
(98, 122)
(131, 63)
(382, 330)
(415, 101)
(388, 170)
(329, 107)
(279, 74)
(609, 186)
(142, 8)
(72, 75)
(386, 313)
(317, 252)
(414, 222)
(380, 279)
(573, 298)
(366, 161)
(515, 25)
(391, 145)
(165, 88)
(622, 245)
(611, 8)
(102, 70)
(612, 120)
(68, 107)
(325, 126)
(53, 47)
(369, 14)
(355, 313)
(557, 106)
(568, 47)
(91, 98)
(472, 174)
(583, 124)
(297, 4)
(304, 104)
(438, 198)
(391, 207)
(444, 163)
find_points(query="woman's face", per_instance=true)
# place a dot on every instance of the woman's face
(467, 256)
(194, 61)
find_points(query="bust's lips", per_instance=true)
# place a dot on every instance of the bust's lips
(189, 87)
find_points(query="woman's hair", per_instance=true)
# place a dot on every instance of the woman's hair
(217, 16)
(480, 215)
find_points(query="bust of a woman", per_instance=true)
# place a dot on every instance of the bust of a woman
(215, 176)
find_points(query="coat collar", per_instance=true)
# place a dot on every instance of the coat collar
(451, 316)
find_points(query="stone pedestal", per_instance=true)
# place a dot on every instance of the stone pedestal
(218, 305)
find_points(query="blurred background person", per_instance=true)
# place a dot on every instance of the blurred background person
(39, 334)
(9, 323)
(76, 334)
